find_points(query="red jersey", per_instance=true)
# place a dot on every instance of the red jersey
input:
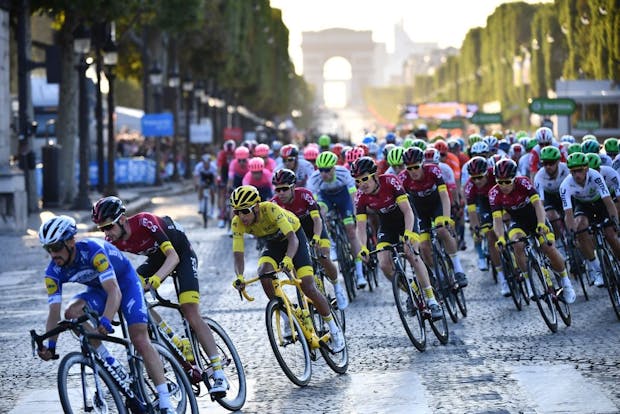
(382, 167)
(479, 195)
(425, 187)
(302, 204)
(386, 200)
(518, 202)
(148, 233)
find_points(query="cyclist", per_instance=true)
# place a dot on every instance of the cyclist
(286, 248)
(586, 199)
(302, 203)
(544, 137)
(290, 159)
(259, 177)
(431, 204)
(612, 147)
(334, 188)
(204, 178)
(591, 146)
(169, 253)
(224, 158)
(386, 196)
(238, 168)
(395, 161)
(324, 142)
(262, 151)
(310, 154)
(516, 196)
(112, 285)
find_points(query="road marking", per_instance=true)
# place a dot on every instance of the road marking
(562, 389)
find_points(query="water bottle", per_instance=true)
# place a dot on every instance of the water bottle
(165, 329)
(187, 349)
(118, 369)
(307, 320)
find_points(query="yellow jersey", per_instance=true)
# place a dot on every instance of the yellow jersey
(273, 223)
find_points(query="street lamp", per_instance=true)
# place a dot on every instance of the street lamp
(173, 82)
(188, 89)
(81, 45)
(110, 60)
(155, 79)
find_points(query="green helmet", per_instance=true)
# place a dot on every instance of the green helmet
(550, 153)
(395, 156)
(326, 159)
(324, 141)
(588, 137)
(612, 145)
(590, 147)
(531, 144)
(419, 143)
(594, 161)
(577, 160)
(407, 142)
(574, 147)
(521, 134)
(473, 138)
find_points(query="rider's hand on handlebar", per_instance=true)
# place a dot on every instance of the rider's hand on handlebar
(239, 283)
(105, 326)
(500, 243)
(411, 236)
(154, 282)
(542, 228)
(287, 264)
(363, 254)
(315, 240)
(443, 221)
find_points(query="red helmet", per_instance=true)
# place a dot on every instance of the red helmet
(363, 165)
(310, 153)
(431, 155)
(441, 146)
(364, 147)
(289, 150)
(353, 154)
(337, 148)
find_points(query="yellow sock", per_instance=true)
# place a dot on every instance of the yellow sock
(428, 292)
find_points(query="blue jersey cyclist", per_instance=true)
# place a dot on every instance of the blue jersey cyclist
(335, 189)
(112, 285)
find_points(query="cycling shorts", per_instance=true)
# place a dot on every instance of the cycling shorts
(596, 212)
(341, 202)
(275, 250)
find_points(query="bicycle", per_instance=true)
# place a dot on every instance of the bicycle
(308, 331)
(513, 276)
(319, 279)
(484, 242)
(576, 263)
(346, 261)
(371, 267)
(200, 369)
(206, 206)
(609, 263)
(410, 303)
(446, 285)
(87, 383)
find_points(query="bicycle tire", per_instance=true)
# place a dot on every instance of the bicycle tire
(443, 287)
(563, 309)
(181, 393)
(412, 319)
(440, 327)
(610, 274)
(338, 361)
(511, 275)
(331, 298)
(231, 364)
(71, 385)
(299, 376)
(372, 267)
(346, 267)
(457, 292)
(205, 211)
(577, 268)
(543, 299)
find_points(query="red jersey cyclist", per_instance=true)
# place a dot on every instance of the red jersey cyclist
(385, 195)
(517, 197)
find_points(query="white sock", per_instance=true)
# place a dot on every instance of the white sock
(456, 262)
(164, 396)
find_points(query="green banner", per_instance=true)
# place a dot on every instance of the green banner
(547, 106)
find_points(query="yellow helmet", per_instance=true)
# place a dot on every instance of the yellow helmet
(244, 196)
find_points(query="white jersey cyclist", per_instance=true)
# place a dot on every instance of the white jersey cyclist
(544, 183)
(342, 180)
(612, 179)
(594, 189)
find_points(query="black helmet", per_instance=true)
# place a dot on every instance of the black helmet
(284, 177)
(363, 165)
(107, 210)
(505, 168)
(413, 155)
(477, 166)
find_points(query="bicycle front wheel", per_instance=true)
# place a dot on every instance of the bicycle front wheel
(540, 292)
(407, 305)
(611, 275)
(82, 391)
(511, 274)
(337, 361)
(444, 285)
(292, 352)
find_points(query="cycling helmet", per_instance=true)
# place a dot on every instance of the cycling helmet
(283, 177)
(324, 141)
(479, 148)
(373, 149)
(567, 138)
(327, 159)
(491, 142)
(261, 150)
(288, 151)
(543, 136)
(504, 145)
(413, 155)
(229, 146)
(363, 165)
(453, 144)
(244, 196)
(251, 145)
(505, 168)
(57, 229)
(387, 149)
(276, 145)
(390, 138)
(441, 146)
(473, 138)
(516, 149)
(594, 161)
(364, 148)
(590, 146)
(369, 138)
(550, 153)
(419, 143)
(523, 141)
(310, 153)
(337, 148)
(242, 153)
(256, 164)
(521, 134)
(431, 155)
(531, 144)
(611, 146)
(477, 166)
(577, 160)
(107, 210)
(495, 158)
(588, 137)
(498, 134)
(353, 154)
(574, 147)
(395, 156)
(408, 142)
(206, 158)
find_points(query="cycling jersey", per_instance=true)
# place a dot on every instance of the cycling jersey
(424, 195)
(517, 203)
(262, 184)
(547, 185)
(206, 173)
(479, 196)
(303, 170)
(455, 165)
(236, 172)
(612, 179)
(95, 262)
(224, 159)
(594, 189)
(535, 163)
(342, 180)
(305, 207)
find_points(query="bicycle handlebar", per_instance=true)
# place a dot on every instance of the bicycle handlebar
(242, 292)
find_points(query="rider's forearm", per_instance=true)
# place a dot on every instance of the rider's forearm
(239, 263)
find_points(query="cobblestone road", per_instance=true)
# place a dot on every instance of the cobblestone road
(498, 360)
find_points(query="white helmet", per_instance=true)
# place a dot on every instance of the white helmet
(544, 135)
(57, 229)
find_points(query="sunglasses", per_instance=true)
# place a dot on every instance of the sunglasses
(109, 225)
(549, 162)
(363, 179)
(242, 160)
(325, 170)
(577, 170)
(54, 247)
(505, 182)
(244, 211)
(477, 177)
(290, 159)
(413, 167)
(282, 189)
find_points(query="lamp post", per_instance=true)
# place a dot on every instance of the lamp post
(155, 78)
(110, 60)
(81, 45)
(188, 93)
(173, 82)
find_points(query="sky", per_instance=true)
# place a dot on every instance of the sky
(445, 22)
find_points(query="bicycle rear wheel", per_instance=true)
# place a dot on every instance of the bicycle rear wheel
(541, 295)
(292, 353)
(206, 208)
(337, 361)
(443, 285)
(577, 268)
(511, 275)
(81, 391)
(611, 275)
(231, 364)
(346, 265)
(407, 305)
